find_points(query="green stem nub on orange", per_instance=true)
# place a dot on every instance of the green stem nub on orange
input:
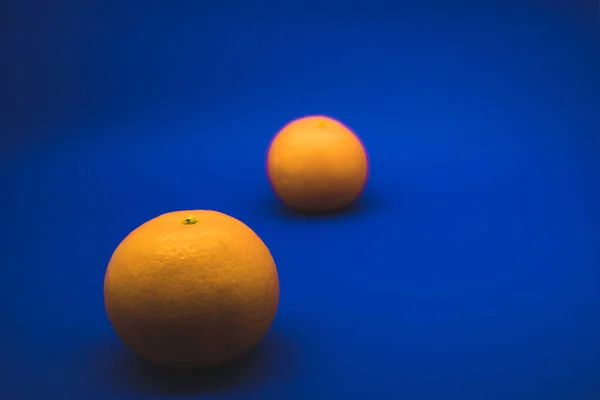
(189, 220)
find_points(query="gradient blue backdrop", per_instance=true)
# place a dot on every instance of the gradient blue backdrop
(470, 269)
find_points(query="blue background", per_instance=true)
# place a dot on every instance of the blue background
(470, 269)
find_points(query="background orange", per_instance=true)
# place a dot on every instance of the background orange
(317, 164)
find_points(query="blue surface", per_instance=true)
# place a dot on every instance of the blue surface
(470, 269)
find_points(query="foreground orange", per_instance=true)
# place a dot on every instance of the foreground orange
(317, 164)
(191, 289)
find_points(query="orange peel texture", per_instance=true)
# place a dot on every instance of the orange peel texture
(191, 289)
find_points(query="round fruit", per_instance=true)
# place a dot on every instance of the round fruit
(191, 289)
(317, 164)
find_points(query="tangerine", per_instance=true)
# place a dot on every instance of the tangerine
(191, 289)
(317, 164)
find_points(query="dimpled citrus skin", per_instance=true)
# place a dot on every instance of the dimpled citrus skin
(317, 164)
(191, 289)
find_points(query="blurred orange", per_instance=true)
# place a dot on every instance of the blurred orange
(317, 164)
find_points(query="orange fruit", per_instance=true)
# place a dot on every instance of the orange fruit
(191, 289)
(317, 164)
